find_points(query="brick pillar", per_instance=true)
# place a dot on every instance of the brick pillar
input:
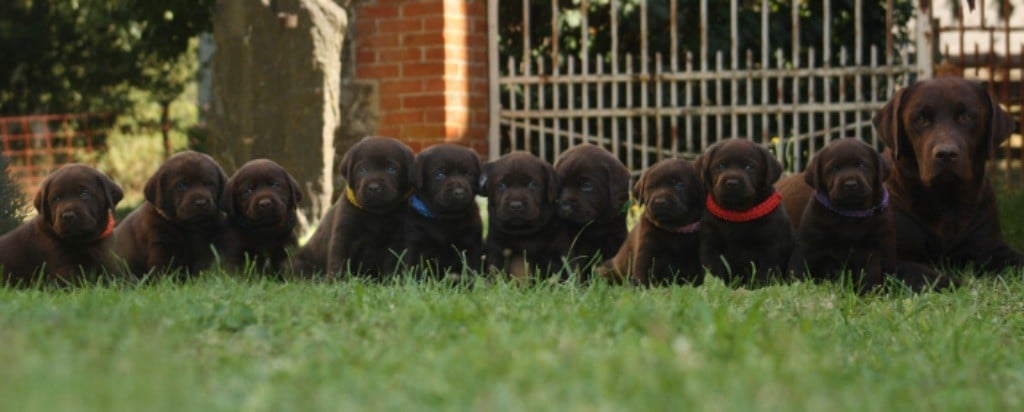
(429, 59)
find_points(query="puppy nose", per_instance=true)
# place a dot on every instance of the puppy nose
(515, 205)
(732, 182)
(850, 184)
(68, 217)
(946, 153)
(373, 187)
(459, 192)
(263, 203)
(566, 207)
(200, 202)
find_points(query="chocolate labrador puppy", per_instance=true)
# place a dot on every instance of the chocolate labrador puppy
(260, 200)
(745, 236)
(593, 203)
(179, 225)
(524, 236)
(846, 225)
(362, 233)
(664, 245)
(69, 240)
(939, 134)
(443, 229)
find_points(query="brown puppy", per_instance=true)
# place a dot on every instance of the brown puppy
(69, 239)
(260, 200)
(664, 245)
(846, 225)
(443, 229)
(939, 135)
(524, 236)
(180, 224)
(362, 232)
(745, 236)
(593, 203)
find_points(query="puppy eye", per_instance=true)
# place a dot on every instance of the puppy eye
(275, 185)
(440, 175)
(360, 170)
(720, 166)
(679, 186)
(180, 186)
(391, 169)
(250, 189)
(749, 167)
(501, 186)
(965, 117)
(532, 186)
(55, 199)
(587, 187)
(921, 119)
(862, 165)
(84, 194)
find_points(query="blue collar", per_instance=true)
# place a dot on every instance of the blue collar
(878, 209)
(421, 208)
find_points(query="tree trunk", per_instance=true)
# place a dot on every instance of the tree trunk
(165, 126)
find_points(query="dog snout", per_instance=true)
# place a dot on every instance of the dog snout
(946, 153)
(68, 217)
(515, 205)
(731, 182)
(459, 192)
(264, 204)
(373, 187)
(201, 202)
(850, 184)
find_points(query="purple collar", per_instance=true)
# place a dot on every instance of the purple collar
(879, 208)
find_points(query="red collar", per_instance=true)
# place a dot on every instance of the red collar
(110, 226)
(761, 210)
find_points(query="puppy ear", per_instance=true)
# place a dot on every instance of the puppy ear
(408, 157)
(639, 194)
(1000, 126)
(416, 172)
(222, 181)
(42, 200)
(111, 190)
(773, 167)
(476, 173)
(153, 190)
(888, 125)
(703, 164)
(227, 197)
(884, 169)
(553, 184)
(295, 190)
(485, 172)
(618, 184)
(345, 167)
(812, 173)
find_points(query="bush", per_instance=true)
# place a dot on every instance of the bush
(12, 204)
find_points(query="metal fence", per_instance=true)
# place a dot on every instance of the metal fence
(793, 94)
(39, 144)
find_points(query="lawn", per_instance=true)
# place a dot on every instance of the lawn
(225, 342)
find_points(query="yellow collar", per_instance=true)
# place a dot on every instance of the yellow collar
(351, 196)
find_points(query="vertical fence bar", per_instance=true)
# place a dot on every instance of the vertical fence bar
(543, 103)
(512, 129)
(674, 66)
(688, 96)
(585, 67)
(658, 129)
(703, 69)
(826, 62)
(874, 88)
(613, 8)
(748, 100)
(645, 74)
(719, 130)
(765, 122)
(570, 100)
(629, 120)
(794, 139)
(780, 100)
(858, 61)
(842, 92)
(812, 146)
(734, 63)
(599, 70)
(493, 86)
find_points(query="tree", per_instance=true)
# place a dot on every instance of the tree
(82, 55)
(12, 204)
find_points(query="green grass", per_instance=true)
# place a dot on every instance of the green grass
(225, 342)
(221, 343)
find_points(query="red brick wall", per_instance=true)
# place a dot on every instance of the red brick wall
(429, 58)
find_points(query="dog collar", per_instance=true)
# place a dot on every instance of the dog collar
(761, 210)
(625, 206)
(351, 196)
(421, 208)
(110, 225)
(877, 209)
(685, 230)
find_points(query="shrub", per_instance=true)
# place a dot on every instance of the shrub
(12, 203)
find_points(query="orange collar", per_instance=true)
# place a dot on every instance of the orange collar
(761, 210)
(351, 196)
(110, 225)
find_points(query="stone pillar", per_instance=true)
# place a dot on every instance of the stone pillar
(276, 85)
(428, 59)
